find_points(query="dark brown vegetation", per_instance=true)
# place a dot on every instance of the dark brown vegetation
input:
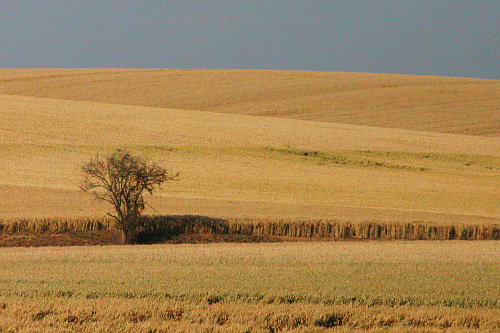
(70, 238)
(202, 229)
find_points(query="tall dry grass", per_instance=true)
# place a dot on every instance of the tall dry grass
(158, 227)
(53, 225)
(143, 315)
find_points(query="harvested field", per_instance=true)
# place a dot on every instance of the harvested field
(226, 287)
(326, 160)
(37, 203)
(240, 161)
(436, 104)
(49, 314)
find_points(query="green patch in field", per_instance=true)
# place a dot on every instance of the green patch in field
(345, 158)
(482, 161)
(391, 159)
(157, 149)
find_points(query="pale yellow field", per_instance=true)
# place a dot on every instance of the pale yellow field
(241, 165)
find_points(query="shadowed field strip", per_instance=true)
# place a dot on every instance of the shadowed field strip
(58, 122)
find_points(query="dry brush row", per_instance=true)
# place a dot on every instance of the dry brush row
(164, 226)
(53, 225)
(143, 315)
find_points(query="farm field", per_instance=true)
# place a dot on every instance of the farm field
(436, 104)
(255, 287)
(337, 159)
(236, 160)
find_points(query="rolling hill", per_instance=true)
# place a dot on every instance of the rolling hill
(436, 104)
(214, 128)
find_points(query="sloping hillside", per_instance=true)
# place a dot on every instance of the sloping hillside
(436, 104)
(246, 166)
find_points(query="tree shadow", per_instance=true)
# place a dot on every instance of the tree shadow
(160, 228)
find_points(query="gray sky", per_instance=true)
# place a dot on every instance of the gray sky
(429, 37)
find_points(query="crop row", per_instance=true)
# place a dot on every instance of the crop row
(192, 224)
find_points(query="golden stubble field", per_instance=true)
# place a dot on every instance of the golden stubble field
(302, 287)
(233, 161)
(437, 104)
(338, 146)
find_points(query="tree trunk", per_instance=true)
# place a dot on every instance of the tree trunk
(123, 236)
(129, 235)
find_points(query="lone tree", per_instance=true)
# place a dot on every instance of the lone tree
(121, 179)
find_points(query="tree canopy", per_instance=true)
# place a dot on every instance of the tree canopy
(121, 179)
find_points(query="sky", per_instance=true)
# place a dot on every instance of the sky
(423, 37)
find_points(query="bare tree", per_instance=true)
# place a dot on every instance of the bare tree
(121, 179)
